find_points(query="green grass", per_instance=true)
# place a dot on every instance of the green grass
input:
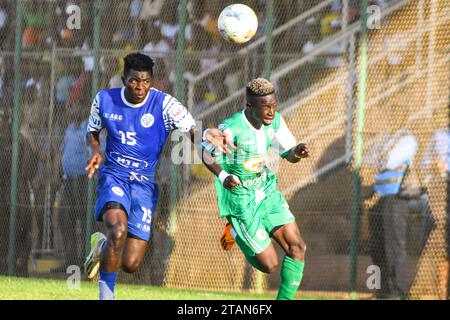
(12, 288)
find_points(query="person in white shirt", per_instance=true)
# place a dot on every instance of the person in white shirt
(388, 217)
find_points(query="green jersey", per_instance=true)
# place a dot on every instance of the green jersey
(248, 162)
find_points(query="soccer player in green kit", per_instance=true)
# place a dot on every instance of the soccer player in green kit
(247, 189)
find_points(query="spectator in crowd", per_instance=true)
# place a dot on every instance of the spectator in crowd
(28, 220)
(63, 35)
(4, 24)
(168, 22)
(109, 66)
(64, 83)
(35, 19)
(161, 77)
(388, 215)
(80, 90)
(124, 29)
(207, 92)
(75, 155)
(44, 137)
(149, 12)
(156, 43)
(207, 19)
(151, 9)
(135, 8)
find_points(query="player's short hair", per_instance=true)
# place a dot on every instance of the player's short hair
(260, 87)
(139, 62)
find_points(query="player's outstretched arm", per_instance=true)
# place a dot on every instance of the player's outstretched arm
(93, 140)
(300, 151)
(229, 181)
(221, 141)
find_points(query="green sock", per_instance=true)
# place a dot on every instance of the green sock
(291, 276)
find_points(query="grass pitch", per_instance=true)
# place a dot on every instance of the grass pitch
(12, 288)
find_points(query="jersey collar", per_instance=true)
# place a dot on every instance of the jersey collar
(249, 124)
(138, 105)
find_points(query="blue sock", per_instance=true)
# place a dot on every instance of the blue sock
(106, 285)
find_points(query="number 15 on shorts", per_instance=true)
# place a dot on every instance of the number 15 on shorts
(146, 218)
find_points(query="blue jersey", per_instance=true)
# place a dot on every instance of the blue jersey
(136, 136)
(137, 132)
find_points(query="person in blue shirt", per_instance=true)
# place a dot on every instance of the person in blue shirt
(138, 119)
(74, 156)
(388, 217)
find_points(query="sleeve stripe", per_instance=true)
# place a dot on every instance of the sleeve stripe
(167, 103)
(95, 120)
(176, 116)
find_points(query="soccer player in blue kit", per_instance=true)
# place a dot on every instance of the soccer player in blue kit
(138, 120)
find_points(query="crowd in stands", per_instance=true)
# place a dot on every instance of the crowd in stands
(152, 26)
(126, 25)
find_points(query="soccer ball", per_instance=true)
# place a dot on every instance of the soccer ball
(237, 23)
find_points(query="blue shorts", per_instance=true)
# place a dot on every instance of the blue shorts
(137, 195)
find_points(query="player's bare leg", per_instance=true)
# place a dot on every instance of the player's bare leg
(133, 254)
(267, 260)
(116, 222)
(289, 238)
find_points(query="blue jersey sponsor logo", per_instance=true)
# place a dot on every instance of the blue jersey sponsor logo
(128, 162)
(113, 116)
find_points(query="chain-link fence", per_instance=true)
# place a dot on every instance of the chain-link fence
(334, 89)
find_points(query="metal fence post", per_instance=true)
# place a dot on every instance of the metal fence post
(356, 210)
(352, 75)
(259, 276)
(180, 96)
(268, 47)
(90, 191)
(15, 140)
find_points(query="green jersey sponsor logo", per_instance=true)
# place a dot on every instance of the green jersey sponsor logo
(250, 183)
(255, 165)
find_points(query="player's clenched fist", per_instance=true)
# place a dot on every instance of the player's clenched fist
(231, 182)
(94, 164)
(301, 150)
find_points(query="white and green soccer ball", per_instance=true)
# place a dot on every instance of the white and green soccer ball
(237, 23)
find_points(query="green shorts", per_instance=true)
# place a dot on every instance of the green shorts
(253, 228)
